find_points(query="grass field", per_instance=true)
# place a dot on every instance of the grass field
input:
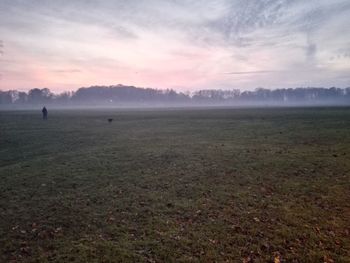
(219, 185)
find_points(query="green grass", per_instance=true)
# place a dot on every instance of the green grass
(225, 185)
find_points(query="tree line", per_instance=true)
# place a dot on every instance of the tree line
(121, 94)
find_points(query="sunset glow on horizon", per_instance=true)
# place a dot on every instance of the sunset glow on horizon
(184, 45)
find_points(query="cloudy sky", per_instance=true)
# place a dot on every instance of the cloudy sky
(181, 44)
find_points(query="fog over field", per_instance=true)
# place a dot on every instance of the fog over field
(159, 131)
(121, 96)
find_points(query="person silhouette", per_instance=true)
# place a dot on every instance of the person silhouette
(44, 111)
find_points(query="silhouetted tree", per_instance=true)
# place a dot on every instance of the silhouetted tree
(37, 96)
(121, 94)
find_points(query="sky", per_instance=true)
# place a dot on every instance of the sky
(185, 45)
